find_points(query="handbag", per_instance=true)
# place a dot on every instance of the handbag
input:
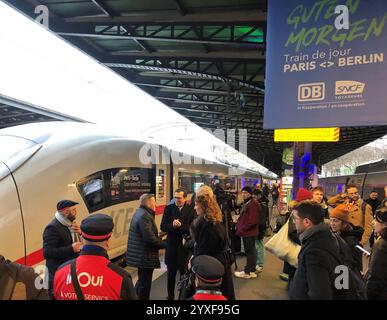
(186, 286)
(282, 247)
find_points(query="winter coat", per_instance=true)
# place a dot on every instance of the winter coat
(318, 258)
(356, 216)
(248, 222)
(57, 247)
(176, 255)
(376, 277)
(352, 237)
(210, 239)
(373, 203)
(143, 241)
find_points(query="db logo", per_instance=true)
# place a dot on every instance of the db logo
(86, 280)
(311, 92)
(349, 87)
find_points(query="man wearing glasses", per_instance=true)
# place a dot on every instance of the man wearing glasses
(360, 213)
(176, 221)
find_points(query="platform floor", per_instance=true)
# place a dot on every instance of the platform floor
(267, 286)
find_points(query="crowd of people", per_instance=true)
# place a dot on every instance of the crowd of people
(202, 239)
(332, 239)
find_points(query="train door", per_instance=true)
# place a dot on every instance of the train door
(12, 238)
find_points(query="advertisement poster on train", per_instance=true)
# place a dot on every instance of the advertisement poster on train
(326, 63)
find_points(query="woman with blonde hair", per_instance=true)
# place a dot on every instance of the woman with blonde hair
(210, 238)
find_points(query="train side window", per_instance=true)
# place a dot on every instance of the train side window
(92, 191)
(117, 185)
(128, 184)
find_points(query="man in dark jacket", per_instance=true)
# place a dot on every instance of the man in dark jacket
(92, 276)
(61, 238)
(265, 193)
(248, 228)
(176, 221)
(373, 201)
(318, 258)
(144, 245)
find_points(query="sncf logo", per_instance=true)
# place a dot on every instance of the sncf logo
(86, 280)
(349, 87)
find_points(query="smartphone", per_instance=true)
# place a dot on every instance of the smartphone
(362, 249)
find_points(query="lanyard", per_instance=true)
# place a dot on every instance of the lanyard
(211, 292)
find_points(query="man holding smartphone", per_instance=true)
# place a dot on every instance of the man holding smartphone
(360, 213)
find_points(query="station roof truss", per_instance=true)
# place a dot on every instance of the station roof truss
(205, 59)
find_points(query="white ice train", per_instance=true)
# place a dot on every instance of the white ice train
(43, 163)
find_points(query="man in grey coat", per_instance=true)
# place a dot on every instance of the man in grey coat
(144, 244)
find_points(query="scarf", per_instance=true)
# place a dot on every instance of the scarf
(67, 223)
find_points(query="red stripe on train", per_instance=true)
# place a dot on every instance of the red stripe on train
(33, 258)
(160, 209)
(37, 256)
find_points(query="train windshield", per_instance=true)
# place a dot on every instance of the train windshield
(15, 151)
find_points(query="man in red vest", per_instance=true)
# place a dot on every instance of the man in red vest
(92, 276)
(208, 278)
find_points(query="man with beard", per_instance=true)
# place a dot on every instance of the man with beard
(318, 258)
(373, 201)
(360, 213)
(61, 238)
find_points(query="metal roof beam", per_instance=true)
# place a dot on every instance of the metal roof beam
(22, 114)
(219, 100)
(207, 111)
(236, 17)
(102, 6)
(180, 8)
(239, 124)
(194, 74)
(166, 32)
(194, 102)
(222, 56)
(167, 39)
(36, 109)
(191, 89)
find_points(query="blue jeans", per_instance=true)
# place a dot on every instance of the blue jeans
(259, 246)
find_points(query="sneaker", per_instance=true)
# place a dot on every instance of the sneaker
(284, 277)
(243, 275)
(258, 269)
